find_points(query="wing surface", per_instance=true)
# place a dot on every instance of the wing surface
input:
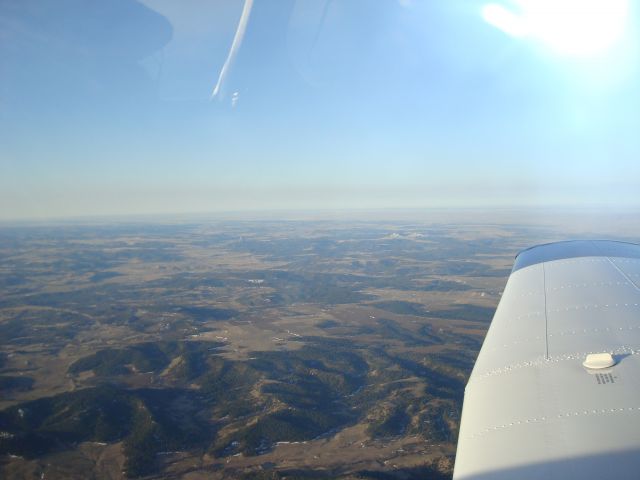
(531, 409)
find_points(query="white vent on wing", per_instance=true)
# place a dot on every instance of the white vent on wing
(597, 361)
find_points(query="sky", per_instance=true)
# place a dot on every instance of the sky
(193, 106)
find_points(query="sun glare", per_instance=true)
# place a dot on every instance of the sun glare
(580, 28)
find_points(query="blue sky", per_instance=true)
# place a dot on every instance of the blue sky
(105, 108)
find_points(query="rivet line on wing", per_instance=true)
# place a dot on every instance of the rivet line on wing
(541, 361)
(560, 416)
(575, 331)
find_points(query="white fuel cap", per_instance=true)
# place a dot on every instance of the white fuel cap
(597, 361)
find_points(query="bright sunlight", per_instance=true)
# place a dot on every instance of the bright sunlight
(581, 28)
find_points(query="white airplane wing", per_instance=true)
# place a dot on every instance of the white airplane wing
(532, 409)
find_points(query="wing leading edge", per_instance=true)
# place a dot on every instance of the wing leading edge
(531, 408)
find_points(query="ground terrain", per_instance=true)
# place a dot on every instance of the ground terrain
(325, 348)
